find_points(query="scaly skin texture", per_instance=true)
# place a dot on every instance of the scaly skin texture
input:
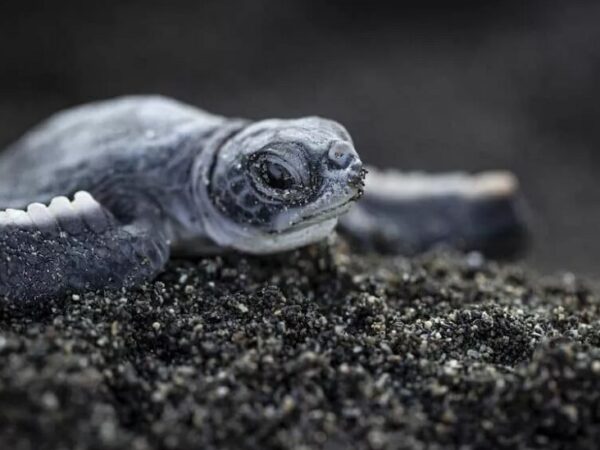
(117, 150)
(97, 196)
(132, 155)
(41, 263)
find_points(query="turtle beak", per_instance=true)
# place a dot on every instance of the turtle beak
(356, 177)
(356, 180)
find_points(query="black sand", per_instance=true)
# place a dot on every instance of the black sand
(315, 349)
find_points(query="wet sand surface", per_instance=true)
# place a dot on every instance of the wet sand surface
(318, 348)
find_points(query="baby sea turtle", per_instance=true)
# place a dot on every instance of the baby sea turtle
(98, 196)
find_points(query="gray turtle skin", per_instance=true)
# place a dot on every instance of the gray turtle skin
(100, 195)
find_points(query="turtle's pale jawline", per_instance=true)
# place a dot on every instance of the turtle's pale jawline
(323, 215)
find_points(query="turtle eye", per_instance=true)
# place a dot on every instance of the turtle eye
(279, 173)
(276, 176)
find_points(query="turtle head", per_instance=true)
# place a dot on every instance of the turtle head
(280, 184)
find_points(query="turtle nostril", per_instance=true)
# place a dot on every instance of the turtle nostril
(341, 154)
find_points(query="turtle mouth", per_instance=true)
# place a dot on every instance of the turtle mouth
(322, 215)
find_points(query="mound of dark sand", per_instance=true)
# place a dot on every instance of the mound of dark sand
(314, 349)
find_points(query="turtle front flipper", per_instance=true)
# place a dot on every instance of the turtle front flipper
(408, 213)
(71, 246)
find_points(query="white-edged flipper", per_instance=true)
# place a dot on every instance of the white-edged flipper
(91, 212)
(18, 218)
(68, 218)
(42, 219)
(408, 213)
(73, 246)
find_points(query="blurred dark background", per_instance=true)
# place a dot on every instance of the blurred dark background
(427, 85)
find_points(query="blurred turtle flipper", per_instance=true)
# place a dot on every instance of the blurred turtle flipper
(409, 213)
